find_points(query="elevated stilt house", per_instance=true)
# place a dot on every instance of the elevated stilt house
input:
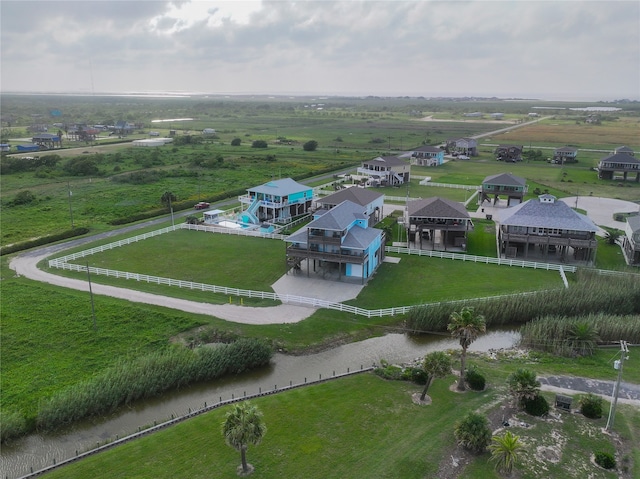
(337, 240)
(437, 223)
(547, 229)
(278, 201)
(503, 184)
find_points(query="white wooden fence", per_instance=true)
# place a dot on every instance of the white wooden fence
(481, 259)
(63, 263)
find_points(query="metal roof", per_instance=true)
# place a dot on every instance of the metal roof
(360, 196)
(505, 179)
(283, 187)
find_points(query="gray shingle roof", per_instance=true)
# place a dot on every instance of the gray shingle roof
(534, 213)
(283, 187)
(386, 161)
(634, 222)
(338, 219)
(505, 179)
(428, 149)
(360, 196)
(437, 208)
(621, 158)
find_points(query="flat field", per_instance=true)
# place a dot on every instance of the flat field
(364, 426)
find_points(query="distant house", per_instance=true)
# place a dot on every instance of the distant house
(566, 154)
(475, 114)
(547, 228)
(631, 241)
(509, 153)
(123, 127)
(621, 163)
(462, 146)
(208, 131)
(337, 239)
(385, 171)
(277, 201)
(438, 222)
(503, 184)
(497, 116)
(426, 155)
(5, 147)
(370, 200)
(46, 141)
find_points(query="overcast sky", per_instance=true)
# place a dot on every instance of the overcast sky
(535, 49)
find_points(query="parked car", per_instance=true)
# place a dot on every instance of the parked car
(202, 205)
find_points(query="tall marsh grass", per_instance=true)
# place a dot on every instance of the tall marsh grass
(592, 293)
(552, 333)
(148, 376)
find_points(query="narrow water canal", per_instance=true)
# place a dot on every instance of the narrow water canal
(38, 451)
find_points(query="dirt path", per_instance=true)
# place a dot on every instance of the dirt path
(26, 265)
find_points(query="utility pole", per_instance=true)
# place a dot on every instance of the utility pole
(70, 209)
(617, 364)
(93, 308)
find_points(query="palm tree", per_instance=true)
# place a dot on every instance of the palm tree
(523, 385)
(611, 236)
(582, 338)
(243, 426)
(166, 198)
(505, 451)
(435, 365)
(466, 326)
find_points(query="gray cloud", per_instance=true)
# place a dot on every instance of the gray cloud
(516, 48)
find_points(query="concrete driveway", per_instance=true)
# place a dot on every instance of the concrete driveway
(601, 210)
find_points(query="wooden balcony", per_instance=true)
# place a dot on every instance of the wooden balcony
(302, 253)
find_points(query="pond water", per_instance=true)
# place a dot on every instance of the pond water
(39, 450)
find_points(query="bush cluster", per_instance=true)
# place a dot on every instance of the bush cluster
(536, 406)
(474, 379)
(605, 460)
(149, 376)
(591, 406)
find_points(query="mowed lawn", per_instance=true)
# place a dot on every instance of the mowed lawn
(219, 259)
(255, 264)
(362, 426)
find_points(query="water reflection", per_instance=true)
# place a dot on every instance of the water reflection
(38, 451)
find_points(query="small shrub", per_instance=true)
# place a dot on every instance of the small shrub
(605, 460)
(475, 380)
(389, 371)
(537, 406)
(473, 432)
(416, 375)
(591, 406)
(13, 425)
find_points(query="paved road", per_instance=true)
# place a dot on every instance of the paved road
(570, 385)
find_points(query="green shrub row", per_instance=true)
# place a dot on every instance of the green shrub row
(614, 295)
(149, 376)
(14, 248)
(553, 333)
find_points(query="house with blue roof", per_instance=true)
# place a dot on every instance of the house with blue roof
(546, 228)
(278, 201)
(339, 239)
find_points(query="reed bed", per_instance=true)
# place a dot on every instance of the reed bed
(592, 294)
(149, 376)
(553, 333)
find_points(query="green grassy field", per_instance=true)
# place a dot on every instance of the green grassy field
(253, 263)
(363, 426)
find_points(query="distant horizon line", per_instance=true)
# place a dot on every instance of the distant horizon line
(319, 96)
